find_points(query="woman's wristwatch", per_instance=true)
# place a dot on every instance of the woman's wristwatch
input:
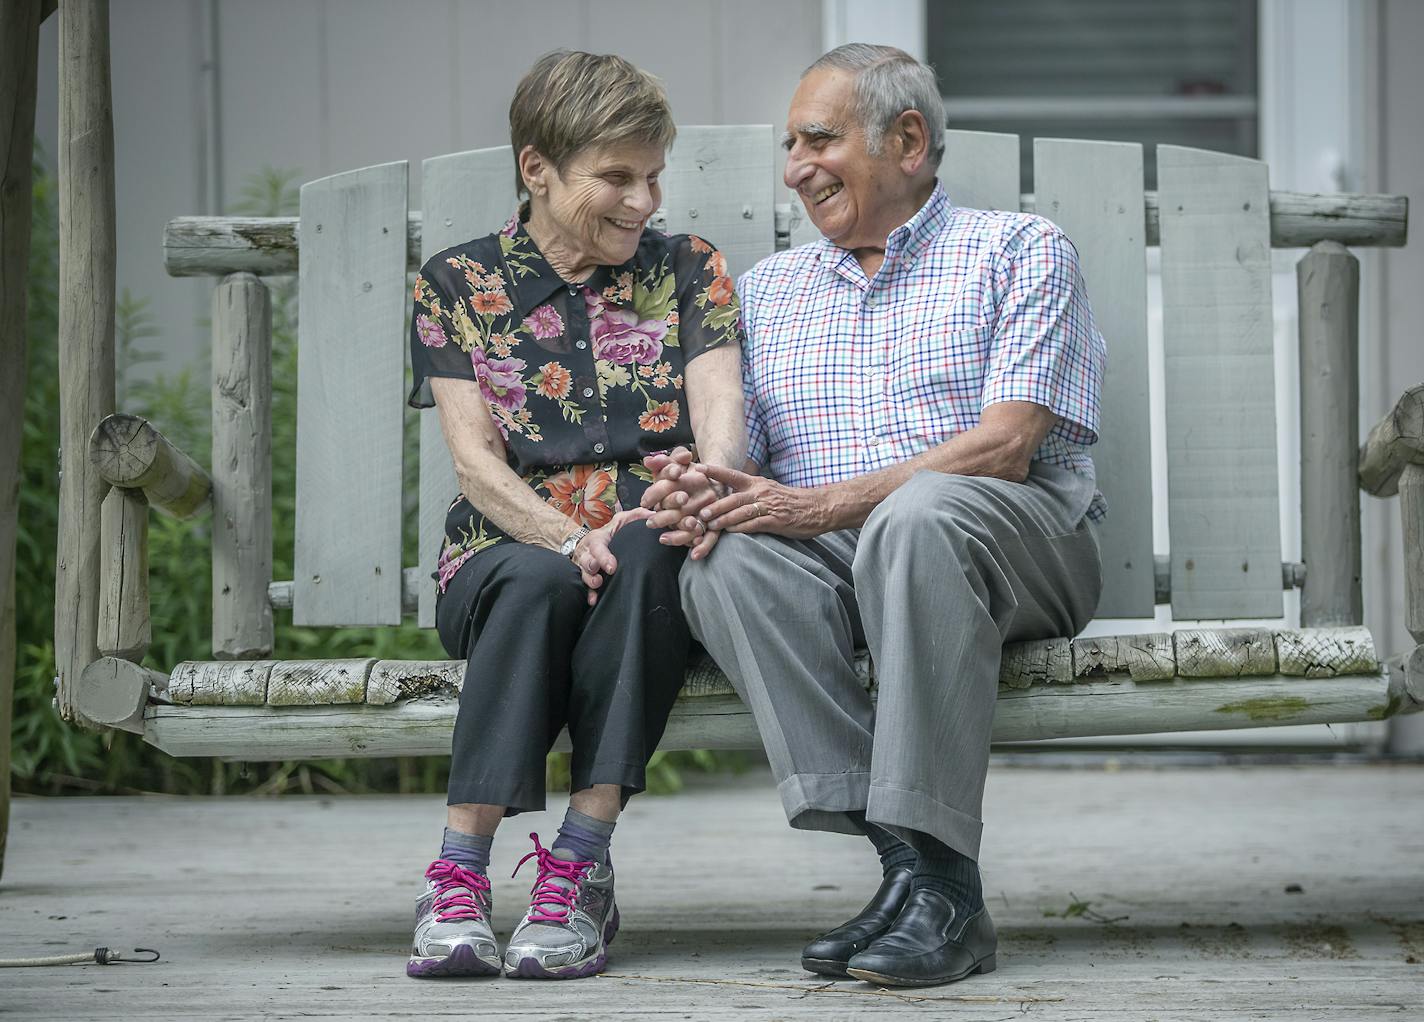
(568, 546)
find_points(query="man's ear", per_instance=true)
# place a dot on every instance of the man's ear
(912, 137)
(534, 169)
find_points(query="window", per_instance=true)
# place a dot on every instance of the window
(1174, 71)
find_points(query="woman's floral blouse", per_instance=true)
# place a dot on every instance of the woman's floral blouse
(582, 380)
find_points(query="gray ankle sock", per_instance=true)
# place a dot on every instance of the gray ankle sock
(469, 850)
(585, 837)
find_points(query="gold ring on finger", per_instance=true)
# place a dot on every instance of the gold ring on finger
(759, 511)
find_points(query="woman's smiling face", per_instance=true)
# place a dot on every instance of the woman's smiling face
(593, 212)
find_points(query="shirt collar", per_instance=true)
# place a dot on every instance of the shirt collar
(532, 280)
(905, 243)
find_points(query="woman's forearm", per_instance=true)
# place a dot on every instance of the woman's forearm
(485, 478)
(496, 492)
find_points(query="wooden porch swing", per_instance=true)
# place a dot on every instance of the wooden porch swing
(1213, 222)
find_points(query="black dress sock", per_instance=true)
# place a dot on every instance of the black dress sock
(951, 873)
(893, 852)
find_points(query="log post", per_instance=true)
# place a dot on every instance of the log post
(125, 450)
(242, 468)
(1411, 509)
(86, 327)
(125, 630)
(1328, 279)
(19, 55)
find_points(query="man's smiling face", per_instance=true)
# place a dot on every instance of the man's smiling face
(845, 189)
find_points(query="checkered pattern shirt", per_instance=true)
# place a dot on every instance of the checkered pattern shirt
(846, 374)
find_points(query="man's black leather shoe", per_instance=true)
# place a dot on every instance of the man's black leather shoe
(929, 943)
(827, 954)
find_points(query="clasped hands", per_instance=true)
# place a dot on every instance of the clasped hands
(695, 503)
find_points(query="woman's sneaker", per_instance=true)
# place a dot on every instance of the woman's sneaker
(452, 930)
(572, 919)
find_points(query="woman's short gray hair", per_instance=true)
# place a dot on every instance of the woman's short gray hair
(571, 100)
(888, 81)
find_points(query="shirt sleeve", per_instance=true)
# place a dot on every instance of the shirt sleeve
(758, 441)
(437, 345)
(1046, 348)
(708, 313)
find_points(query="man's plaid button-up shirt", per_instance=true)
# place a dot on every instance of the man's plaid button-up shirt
(846, 374)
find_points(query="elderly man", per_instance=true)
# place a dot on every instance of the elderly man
(921, 384)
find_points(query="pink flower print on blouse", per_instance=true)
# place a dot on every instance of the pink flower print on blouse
(500, 381)
(430, 333)
(447, 565)
(620, 337)
(545, 322)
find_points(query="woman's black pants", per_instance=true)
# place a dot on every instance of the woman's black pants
(538, 657)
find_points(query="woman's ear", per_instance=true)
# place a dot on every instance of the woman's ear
(534, 169)
(912, 135)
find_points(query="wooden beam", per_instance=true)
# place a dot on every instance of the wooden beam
(1411, 511)
(1190, 653)
(115, 693)
(1328, 298)
(208, 246)
(127, 451)
(19, 55)
(422, 727)
(1395, 441)
(242, 468)
(86, 326)
(125, 630)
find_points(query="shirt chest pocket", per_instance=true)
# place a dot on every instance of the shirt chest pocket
(935, 374)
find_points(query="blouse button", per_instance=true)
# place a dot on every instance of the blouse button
(597, 448)
(588, 392)
(580, 344)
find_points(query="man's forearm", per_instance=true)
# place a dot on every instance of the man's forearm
(1000, 446)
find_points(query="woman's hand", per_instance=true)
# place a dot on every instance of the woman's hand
(679, 491)
(592, 556)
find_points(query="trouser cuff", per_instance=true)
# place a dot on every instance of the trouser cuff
(901, 811)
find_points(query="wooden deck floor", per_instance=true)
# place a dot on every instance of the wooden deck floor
(299, 907)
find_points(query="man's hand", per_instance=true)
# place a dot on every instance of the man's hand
(679, 491)
(593, 558)
(757, 504)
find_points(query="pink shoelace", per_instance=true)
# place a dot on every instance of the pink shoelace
(454, 887)
(546, 892)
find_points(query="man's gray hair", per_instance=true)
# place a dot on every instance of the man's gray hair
(888, 81)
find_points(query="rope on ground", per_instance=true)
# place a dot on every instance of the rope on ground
(831, 988)
(99, 956)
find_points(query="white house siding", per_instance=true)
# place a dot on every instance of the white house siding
(323, 86)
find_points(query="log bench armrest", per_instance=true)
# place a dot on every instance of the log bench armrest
(1392, 462)
(128, 452)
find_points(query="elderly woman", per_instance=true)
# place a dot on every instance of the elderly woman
(560, 353)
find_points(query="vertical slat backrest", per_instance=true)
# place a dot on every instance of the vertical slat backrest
(463, 196)
(351, 310)
(1093, 191)
(1223, 503)
(719, 184)
(981, 169)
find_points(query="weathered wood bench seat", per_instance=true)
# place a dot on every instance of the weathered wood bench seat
(356, 240)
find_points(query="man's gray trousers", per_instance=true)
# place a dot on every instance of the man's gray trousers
(945, 571)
